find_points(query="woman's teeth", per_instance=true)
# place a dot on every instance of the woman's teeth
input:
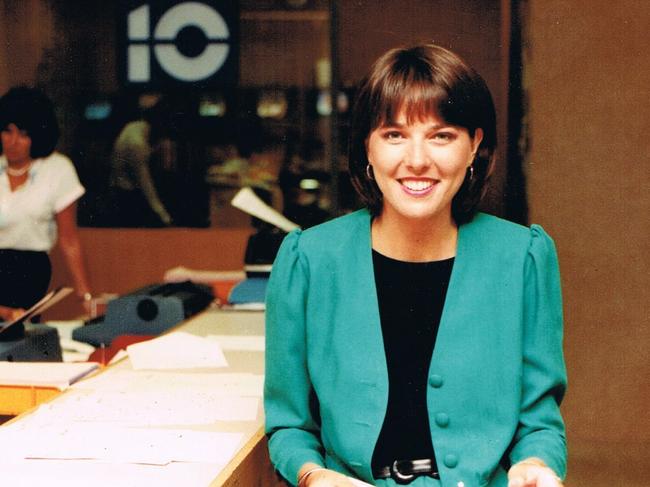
(417, 185)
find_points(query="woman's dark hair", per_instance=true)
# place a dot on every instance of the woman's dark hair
(32, 111)
(422, 81)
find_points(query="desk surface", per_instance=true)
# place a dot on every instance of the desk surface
(249, 466)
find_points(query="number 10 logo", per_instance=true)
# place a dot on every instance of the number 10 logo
(190, 41)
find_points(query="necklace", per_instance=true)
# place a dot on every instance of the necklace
(18, 172)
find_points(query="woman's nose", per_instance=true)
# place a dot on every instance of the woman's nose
(417, 156)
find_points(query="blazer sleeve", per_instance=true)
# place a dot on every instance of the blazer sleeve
(541, 432)
(292, 430)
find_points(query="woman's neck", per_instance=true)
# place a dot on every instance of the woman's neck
(18, 172)
(18, 168)
(415, 240)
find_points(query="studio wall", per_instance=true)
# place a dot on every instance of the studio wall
(588, 84)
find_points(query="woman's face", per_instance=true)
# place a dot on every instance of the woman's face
(420, 166)
(16, 145)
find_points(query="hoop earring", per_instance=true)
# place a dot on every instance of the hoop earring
(369, 172)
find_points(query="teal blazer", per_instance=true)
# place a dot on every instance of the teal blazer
(496, 377)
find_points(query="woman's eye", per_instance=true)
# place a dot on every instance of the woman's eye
(443, 136)
(393, 135)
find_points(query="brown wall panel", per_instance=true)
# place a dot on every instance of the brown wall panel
(26, 29)
(589, 175)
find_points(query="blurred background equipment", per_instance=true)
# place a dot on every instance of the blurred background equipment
(150, 310)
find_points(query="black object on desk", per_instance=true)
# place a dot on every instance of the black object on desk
(21, 342)
(31, 343)
(150, 310)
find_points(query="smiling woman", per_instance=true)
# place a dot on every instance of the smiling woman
(423, 84)
(424, 338)
(418, 168)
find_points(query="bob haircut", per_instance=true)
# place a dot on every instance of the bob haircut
(422, 81)
(32, 111)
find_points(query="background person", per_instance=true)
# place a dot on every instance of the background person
(39, 188)
(134, 196)
(417, 341)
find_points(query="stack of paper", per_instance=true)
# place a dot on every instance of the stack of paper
(58, 375)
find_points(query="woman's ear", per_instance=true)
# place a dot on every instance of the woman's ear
(365, 143)
(476, 141)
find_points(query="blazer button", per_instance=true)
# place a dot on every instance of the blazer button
(436, 381)
(451, 460)
(442, 420)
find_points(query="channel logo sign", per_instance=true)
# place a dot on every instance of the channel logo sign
(179, 43)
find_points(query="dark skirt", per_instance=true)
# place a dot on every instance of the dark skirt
(24, 277)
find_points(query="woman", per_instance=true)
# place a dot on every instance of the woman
(417, 341)
(38, 191)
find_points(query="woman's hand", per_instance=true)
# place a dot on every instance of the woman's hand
(532, 472)
(10, 314)
(312, 475)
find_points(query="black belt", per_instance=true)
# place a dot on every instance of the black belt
(403, 471)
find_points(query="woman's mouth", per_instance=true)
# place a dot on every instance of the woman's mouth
(417, 186)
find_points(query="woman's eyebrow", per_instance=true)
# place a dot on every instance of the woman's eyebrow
(400, 125)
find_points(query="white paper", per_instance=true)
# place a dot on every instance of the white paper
(85, 473)
(250, 343)
(119, 356)
(245, 307)
(217, 384)
(44, 374)
(119, 444)
(246, 200)
(177, 350)
(181, 273)
(148, 408)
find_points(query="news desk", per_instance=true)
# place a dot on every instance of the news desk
(250, 465)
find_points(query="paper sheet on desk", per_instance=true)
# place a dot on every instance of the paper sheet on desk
(148, 408)
(84, 473)
(178, 350)
(117, 444)
(58, 375)
(218, 384)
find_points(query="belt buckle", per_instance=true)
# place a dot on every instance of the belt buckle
(398, 476)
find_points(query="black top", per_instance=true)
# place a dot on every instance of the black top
(411, 297)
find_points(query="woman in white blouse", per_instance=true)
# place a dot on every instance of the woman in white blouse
(38, 192)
